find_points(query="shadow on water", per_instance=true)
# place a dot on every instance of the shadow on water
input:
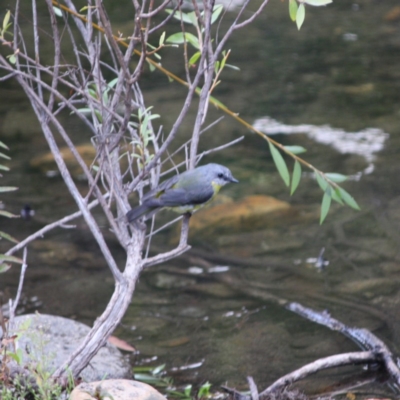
(342, 70)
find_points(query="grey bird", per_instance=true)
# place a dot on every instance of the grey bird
(184, 193)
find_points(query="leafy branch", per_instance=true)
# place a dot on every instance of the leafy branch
(328, 182)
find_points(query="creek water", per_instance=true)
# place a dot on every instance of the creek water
(339, 79)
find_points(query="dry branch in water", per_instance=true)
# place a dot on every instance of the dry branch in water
(375, 353)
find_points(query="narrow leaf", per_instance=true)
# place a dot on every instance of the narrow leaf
(6, 20)
(4, 267)
(295, 149)
(2, 155)
(334, 177)
(317, 3)
(193, 18)
(112, 83)
(336, 196)
(8, 214)
(7, 189)
(194, 58)
(180, 16)
(3, 146)
(280, 164)
(57, 11)
(8, 237)
(300, 15)
(348, 199)
(296, 177)
(326, 204)
(162, 39)
(216, 12)
(12, 59)
(323, 184)
(3, 257)
(234, 67)
(176, 38)
(4, 168)
(293, 9)
(193, 40)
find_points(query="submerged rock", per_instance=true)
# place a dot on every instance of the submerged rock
(46, 163)
(251, 213)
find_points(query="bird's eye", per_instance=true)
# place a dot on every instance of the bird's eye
(220, 175)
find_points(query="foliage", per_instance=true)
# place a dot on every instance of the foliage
(297, 9)
(158, 377)
(40, 385)
(6, 259)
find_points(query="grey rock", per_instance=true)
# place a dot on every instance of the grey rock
(49, 340)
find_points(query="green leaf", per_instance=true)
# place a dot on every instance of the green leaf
(3, 146)
(3, 257)
(293, 9)
(182, 37)
(336, 196)
(194, 58)
(300, 15)
(162, 39)
(112, 83)
(4, 168)
(158, 369)
(8, 214)
(151, 67)
(6, 20)
(296, 177)
(317, 3)
(323, 184)
(280, 164)
(15, 357)
(234, 67)
(326, 204)
(57, 11)
(295, 149)
(12, 59)
(2, 155)
(348, 199)
(7, 189)
(4, 267)
(8, 237)
(216, 66)
(216, 12)
(337, 178)
(193, 18)
(180, 16)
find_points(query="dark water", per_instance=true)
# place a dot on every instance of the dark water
(342, 70)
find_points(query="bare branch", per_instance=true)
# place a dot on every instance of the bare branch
(182, 247)
(337, 360)
(253, 17)
(156, 10)
(14, 304)
(60, 223)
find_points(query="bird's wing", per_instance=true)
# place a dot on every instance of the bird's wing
(176, 197)
(160, 189)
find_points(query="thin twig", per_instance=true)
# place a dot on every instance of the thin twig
(338, 360)
(14, 304)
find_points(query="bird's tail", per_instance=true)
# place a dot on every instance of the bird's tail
(137, 212)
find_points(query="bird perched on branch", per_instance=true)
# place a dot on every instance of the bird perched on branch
(184, 193)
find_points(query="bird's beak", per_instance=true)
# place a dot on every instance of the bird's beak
(233, 180)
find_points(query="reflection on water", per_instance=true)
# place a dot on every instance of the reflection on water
(232, 319)
(365, 143)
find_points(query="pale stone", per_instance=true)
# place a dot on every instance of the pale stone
(116, 389)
